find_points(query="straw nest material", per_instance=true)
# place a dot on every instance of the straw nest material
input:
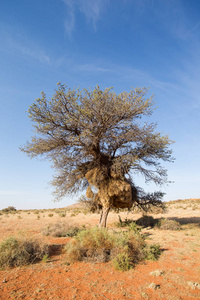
(112, 192)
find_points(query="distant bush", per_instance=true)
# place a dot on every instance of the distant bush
(61, 229)
(9, 209)
(166, 224)
(16, 252)
(124, 249)
(146, 221)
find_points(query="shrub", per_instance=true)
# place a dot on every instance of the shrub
(124, 223)
(62, 215)
(122, 262)
(166, 224)
(50, 215)
(152, 252)
(20, 251)
(90, 245)
(133, 226)
(61, 229)
(124, 248)
(146, 221)
(9, 209)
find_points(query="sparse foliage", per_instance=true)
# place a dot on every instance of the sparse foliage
(95, 138)
(61, 229)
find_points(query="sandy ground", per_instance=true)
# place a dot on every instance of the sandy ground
(179, 263)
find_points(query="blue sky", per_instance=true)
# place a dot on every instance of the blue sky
(119, 43)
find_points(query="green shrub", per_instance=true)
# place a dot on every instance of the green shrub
(124, 223)
(133, 227)
(50, 215)
(45, 258)
(124, 248)
(152, 252)
(146, 221)
(61, 229)
(20, 251)
(166, 224)
(122, 262)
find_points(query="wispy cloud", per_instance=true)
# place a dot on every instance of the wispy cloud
(14, 41)
(91, 9)
(93, 68)
(70, 17)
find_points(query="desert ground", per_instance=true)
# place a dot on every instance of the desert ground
(175, 275)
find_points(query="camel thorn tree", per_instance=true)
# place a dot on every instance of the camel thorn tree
(95, 138)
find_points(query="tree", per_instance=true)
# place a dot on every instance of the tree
(95, 138)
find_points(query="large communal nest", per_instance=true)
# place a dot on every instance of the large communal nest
(113, 191)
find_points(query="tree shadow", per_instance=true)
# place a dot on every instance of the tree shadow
(185, 221)
(55, 250)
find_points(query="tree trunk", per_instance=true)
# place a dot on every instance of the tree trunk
(103, 217)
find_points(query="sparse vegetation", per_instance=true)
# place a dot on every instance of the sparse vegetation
(124, 223)
(9, 209)
(61, 229)
(124, 248)
(167, 224)
(127, 249)
(16, 252)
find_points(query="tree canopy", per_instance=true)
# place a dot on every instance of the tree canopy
(97, 138)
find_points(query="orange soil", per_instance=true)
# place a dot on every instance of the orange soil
(180, 263)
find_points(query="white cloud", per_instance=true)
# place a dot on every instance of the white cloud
(92, 10)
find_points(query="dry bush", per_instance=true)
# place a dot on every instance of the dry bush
(21, 251)
(167, 224)
(9, 209)
(124, 248)
(90, 245)
(61, 229)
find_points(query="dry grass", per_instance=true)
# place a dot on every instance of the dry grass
(166, 224)
(61, 229)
